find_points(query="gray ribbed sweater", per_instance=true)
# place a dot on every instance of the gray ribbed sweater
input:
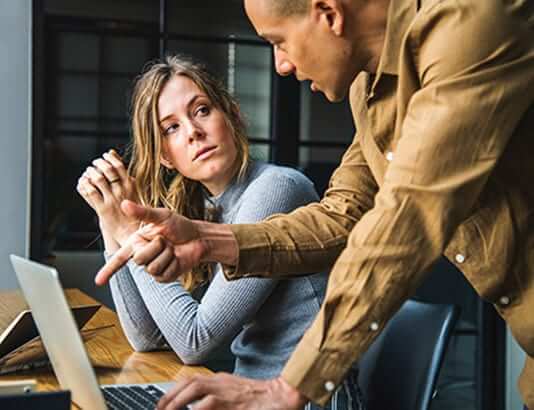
(265, 317)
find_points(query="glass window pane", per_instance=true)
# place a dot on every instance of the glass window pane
(260, 152)
(318, 163)
(213, 55)
(78, 96)
(116, 92)
(75, 151)
(320, 155)
(209, 18)
(318, 115)
(78, 51)
(78, 124)
(250, 82)
(127, 54)
(136, 10)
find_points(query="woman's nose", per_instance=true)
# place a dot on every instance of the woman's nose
(195, 131)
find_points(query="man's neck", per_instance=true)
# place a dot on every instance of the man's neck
(371, 17)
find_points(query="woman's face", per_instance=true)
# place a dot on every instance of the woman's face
(197, 141)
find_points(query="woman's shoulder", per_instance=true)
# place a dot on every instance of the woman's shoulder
(262, 171)
(270, 182)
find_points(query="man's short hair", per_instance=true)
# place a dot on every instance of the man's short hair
(290, 7)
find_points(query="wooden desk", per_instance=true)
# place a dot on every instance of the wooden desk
(110, 353)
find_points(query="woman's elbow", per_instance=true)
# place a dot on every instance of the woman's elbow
(193, 357)
(140, 344)
(192, 360)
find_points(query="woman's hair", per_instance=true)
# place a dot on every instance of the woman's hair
(156, 185)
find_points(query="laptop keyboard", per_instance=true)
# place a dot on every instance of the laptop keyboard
(131, 397)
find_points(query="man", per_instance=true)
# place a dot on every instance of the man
(441, 93)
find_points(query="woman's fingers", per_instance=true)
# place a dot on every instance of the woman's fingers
(89, 192)
(107, 170)
(98, 180)
(116, 161)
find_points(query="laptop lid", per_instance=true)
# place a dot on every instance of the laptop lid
(59, 333)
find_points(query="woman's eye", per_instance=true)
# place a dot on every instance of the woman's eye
(203, 110)
(170, 129)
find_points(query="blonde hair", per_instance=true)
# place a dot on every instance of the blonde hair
(156, 185)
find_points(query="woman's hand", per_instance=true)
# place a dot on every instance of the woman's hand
(104, 186)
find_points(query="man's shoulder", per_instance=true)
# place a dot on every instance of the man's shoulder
(484, 13)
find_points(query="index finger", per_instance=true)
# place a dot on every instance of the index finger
(117, 261)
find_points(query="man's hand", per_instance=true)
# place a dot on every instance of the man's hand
(168, 246)
(227, 392)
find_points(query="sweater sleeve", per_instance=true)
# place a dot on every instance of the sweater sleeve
(136, 321)
(194, 329)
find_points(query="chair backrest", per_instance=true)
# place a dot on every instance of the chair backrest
(401, 368)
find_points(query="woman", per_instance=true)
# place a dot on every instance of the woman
(190, 154)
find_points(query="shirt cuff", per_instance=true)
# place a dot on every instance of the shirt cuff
(316, 374)
(254, 253)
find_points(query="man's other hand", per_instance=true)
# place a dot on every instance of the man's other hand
(227, 392)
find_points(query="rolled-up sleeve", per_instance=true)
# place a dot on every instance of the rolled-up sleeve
(310, 238)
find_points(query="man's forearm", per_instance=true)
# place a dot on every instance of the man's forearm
(219, 243)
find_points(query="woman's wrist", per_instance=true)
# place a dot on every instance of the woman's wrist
(110, 244)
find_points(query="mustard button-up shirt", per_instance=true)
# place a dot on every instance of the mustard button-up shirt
(441, 164)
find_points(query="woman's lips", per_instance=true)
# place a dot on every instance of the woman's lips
(204, 152)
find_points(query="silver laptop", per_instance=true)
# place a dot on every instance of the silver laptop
(63, 343)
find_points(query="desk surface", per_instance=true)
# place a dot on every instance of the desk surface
(112, 357)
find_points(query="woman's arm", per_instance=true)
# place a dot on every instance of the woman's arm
(136, 321)
(103, 187)
(194, 329)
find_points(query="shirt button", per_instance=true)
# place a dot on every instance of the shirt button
(329, 386)
(373, 326)
(389, 156)
(459, 258)
(504, 300)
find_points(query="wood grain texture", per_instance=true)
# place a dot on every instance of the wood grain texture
(112, 357)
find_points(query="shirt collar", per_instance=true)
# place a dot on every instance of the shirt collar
(400, 15)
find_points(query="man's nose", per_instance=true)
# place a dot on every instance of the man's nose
(282, 64)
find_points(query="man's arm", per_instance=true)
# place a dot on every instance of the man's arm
(169, 234)
(306, 240)
(457, 120)
(311, 237)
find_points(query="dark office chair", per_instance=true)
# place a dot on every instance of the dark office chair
(400, 369)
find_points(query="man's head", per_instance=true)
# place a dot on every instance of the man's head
(325, 41)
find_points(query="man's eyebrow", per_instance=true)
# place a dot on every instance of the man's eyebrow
(190, 102)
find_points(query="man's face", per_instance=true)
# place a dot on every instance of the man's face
(306, 45)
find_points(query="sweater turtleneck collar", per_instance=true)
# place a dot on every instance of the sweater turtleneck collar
(217, 205)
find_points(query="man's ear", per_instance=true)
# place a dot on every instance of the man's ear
(329, 12)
